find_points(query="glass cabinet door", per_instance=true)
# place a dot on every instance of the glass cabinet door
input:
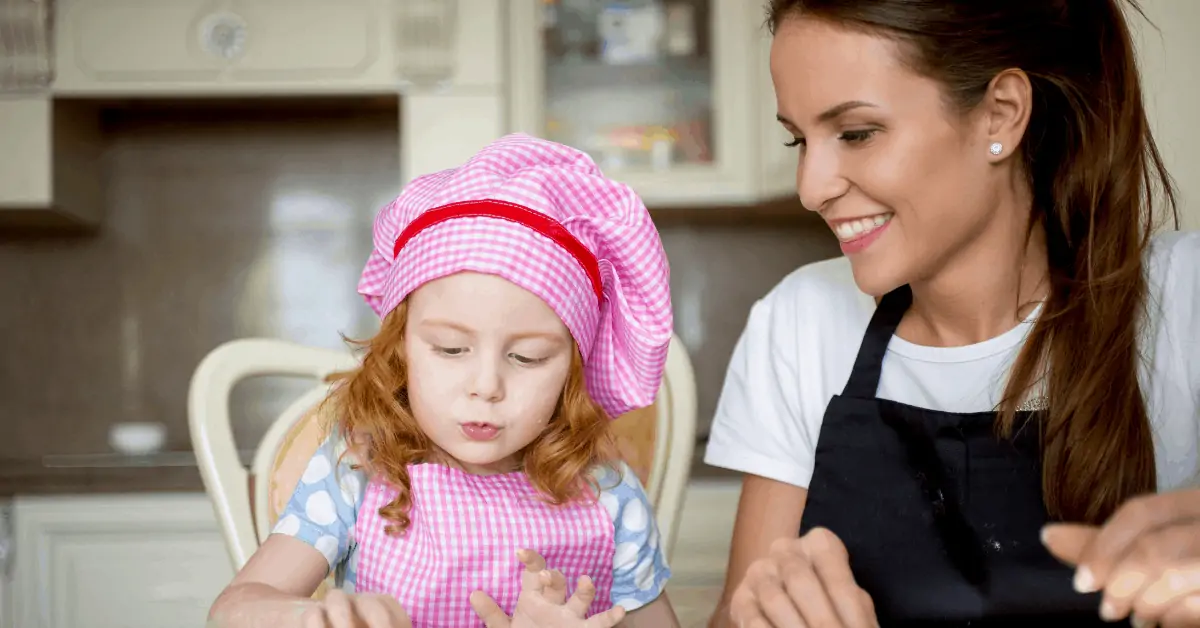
(630, 82)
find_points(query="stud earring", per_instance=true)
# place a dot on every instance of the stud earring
(996, 148)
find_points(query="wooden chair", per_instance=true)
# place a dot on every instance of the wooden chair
(656, 442)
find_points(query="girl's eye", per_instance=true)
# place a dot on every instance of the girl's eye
(796, 141)
(524, 361)
(449, 351)
(855, 137)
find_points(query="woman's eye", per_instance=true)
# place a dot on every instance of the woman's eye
(855, 137)
(796, 141)
(449, 351)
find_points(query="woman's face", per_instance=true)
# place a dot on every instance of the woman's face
(900, 177)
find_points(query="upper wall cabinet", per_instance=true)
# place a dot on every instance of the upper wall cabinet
(49, 164)
(249, 47)
(673, 97)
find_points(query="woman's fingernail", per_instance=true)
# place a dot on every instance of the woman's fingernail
(1085, 582)
(1108, 612)
(1155, 596)
(1138, 622)
(1045, 535)
(1126, 584)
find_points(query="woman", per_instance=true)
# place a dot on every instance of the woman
(1005, 344)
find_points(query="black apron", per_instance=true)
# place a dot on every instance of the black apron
(941, 519)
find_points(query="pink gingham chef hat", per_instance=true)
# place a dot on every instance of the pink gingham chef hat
(542, 216)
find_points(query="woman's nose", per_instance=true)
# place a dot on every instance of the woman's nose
(819, 179)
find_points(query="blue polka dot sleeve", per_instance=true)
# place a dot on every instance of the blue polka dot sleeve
(324, 507)
(640, 570)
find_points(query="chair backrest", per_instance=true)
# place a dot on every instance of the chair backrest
(674, 443)
(247, 502)
(226, 479)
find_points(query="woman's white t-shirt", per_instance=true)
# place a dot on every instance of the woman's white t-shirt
(801, 339)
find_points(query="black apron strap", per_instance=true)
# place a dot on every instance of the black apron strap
(864, 378)
(960, 541)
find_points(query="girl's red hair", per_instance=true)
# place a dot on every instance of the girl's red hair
(372, 413)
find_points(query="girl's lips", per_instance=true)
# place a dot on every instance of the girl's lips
(479, 431)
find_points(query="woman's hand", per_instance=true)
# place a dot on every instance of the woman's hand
(1146, 559)
(339, 610)
(804, 581)
(542, 601)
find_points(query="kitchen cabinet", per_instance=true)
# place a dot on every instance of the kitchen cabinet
(49, 162)
(439, 131)
(115, 561)
(270, 47)
(673, 97)
(25, 153)
(157, 560)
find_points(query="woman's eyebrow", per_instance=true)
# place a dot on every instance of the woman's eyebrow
(830, 113)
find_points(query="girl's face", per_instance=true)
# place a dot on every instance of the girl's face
(487, 362)
(903, 180)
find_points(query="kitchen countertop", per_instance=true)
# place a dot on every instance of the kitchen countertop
(19, 477)
(165, 472)
(101, 473)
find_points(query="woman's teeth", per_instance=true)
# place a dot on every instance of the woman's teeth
(855, 229)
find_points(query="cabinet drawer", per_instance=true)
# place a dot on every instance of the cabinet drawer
(274, 45)
(117, 562)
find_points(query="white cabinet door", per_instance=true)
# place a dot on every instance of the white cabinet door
(666, 95)
(236, 46)
(134, 561)
(257, 47)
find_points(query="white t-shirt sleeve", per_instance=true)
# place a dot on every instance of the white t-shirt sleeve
(1181, 261)
(759, 426)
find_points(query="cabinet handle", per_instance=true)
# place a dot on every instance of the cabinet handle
(177, 592)
(6, 541)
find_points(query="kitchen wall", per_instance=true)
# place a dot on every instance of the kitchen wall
(225, 221)
(1168, 53)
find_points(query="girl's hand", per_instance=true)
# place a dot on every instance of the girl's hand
(804, 581)
(541, 601)
(1146, 559)
(339, 610)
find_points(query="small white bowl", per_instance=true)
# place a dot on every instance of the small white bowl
(137, 438)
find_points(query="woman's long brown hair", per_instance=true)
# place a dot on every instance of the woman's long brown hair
(373, 415)
(1094, 169)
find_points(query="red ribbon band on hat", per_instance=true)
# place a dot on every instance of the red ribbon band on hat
(512, 212)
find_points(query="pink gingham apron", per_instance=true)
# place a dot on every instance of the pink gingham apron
(463, 537)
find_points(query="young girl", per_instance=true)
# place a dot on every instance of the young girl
(524, 302)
